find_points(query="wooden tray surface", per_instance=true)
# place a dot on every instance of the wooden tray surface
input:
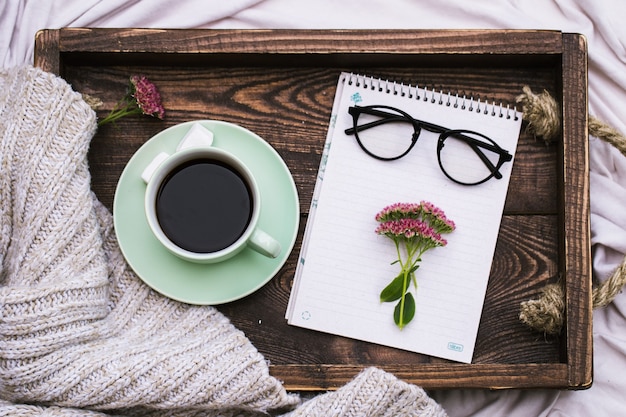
(281, 83)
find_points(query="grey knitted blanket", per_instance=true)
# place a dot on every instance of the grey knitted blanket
(80, 334)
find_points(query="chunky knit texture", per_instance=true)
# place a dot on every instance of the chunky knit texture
(80, 334)
(373, 393)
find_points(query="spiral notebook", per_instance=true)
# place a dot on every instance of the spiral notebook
(343, 264)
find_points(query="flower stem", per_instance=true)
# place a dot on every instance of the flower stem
(406, 272)
(399, 253)
(119, 112)
(402, 299)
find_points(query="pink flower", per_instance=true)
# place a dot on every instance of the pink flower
(147, 96)
(408, 229)
(424, 210)
(398, 211)
(437, 217)
(142, 97)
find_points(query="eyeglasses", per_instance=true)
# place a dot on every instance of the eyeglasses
(464, 156)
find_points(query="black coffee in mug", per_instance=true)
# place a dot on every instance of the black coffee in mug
(204, 205)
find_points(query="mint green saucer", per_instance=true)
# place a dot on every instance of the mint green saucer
(226, 281)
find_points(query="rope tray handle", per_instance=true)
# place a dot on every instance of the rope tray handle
(546, 313)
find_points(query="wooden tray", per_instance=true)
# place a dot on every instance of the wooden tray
(281, 83)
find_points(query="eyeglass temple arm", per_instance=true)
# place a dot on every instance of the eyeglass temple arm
(365, 126)
(385, 118)
(486, 161)
(476, 145)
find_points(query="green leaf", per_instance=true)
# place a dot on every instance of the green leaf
(394, 290)
(404, 316)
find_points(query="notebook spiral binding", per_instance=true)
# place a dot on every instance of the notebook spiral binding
(436, 97)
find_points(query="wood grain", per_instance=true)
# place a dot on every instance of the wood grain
(291, 108)
(576, 241)
(312, 42)
(281, 83)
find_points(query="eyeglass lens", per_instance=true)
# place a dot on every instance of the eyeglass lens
(467, 163)
(389, 137)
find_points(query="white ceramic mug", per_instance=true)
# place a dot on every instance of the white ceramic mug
(196, 147)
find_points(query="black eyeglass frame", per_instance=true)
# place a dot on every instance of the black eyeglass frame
(461, 134)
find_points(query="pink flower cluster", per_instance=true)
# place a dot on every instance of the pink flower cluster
(147, 96)
(409, 229)
(437, 217)
(425, 211)
(399, 211)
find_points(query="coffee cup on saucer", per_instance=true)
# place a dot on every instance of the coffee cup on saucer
(202, 203)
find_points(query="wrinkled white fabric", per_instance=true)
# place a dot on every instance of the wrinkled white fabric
(602, 22)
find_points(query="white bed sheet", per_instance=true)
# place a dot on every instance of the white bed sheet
(602, 22)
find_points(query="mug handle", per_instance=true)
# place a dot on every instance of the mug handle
(264, 244)
(198, 136)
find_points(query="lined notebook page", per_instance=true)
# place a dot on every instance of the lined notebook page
(344, 264)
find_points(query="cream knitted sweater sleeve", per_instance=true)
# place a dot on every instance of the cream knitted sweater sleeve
(80, 334)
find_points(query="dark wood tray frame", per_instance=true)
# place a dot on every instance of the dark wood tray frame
(280, 83)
